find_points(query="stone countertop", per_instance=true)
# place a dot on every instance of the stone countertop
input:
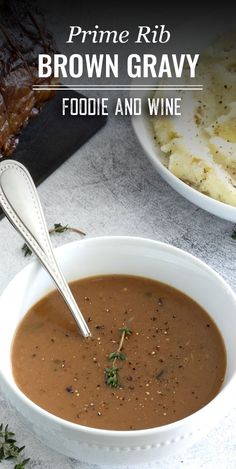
(110, 188)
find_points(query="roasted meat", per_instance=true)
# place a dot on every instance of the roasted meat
(22, 37)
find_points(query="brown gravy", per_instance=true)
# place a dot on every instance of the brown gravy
(174, 359)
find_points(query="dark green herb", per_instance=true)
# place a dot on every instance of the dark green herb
(112, 373)
(58, 228)
(111, 377)
(125, 330)
(26, 250)
(117, 355)
(233, 235)
(9, 448)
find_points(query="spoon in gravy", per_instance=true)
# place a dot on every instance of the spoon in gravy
(20, 202)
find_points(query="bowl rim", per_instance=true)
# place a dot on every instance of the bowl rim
(223, 392)
(141, 125)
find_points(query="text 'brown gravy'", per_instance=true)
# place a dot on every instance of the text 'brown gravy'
(173, 362)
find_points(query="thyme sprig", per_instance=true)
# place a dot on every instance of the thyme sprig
(112, 372)
(58, 228)
(9, 449)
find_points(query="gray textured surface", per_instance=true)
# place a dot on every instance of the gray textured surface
(110, 188)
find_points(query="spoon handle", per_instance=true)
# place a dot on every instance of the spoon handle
(20, 202)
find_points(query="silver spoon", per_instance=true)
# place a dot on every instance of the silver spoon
(20, 202)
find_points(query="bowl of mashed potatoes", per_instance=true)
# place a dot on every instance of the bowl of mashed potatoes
(196, 151)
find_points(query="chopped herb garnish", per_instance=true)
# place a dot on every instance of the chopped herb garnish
(58, 228)
(9, 448)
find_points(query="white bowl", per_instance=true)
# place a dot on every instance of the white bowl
(120, 255)
(145, 135)
(188, 38)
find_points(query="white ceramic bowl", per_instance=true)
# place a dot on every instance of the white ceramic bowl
(120, 255)
(145, 135)
(189, 38)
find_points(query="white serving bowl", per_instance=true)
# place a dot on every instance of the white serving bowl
(186, 37)
(145, 135)
(120, 255)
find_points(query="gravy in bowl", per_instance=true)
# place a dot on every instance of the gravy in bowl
(155, 356)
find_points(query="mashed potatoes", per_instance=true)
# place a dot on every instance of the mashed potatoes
(201, 144)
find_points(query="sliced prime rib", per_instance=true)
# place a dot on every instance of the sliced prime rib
(23, 36)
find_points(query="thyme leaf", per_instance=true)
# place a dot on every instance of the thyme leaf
(111, 377)
(26, 250)
(9, 449)
(126, 330)
(233, 235)
(58, 228)
(117, 355)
